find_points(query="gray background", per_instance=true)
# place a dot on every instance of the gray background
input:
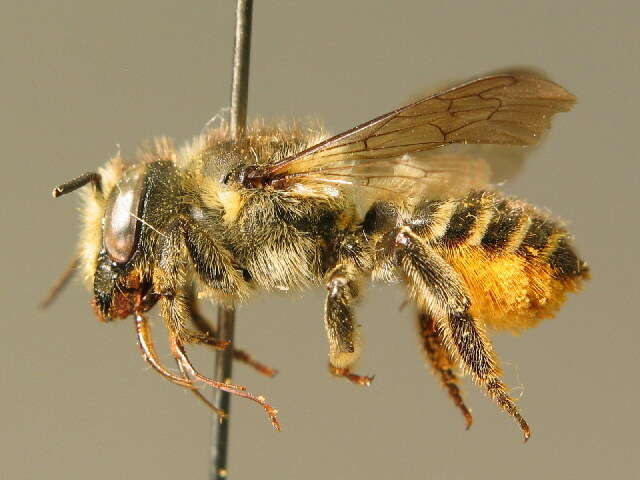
(77, 401)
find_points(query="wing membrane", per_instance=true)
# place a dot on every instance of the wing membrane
(391, 151)
(440, 175)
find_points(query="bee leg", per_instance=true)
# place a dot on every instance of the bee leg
(342, 333)
(171, 281)
(247, 359)
(438, 289)
(221, 413)
(148, 351)
(184, 242)
(179, 353)
(174, 307)
(213, 263)
(441, 362)
(207, 329)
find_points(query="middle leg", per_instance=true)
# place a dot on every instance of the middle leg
(342, 331)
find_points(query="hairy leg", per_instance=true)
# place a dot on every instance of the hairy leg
(441, 362)
(186, 248)
(342, 331)
(172, 281)
(438, 289)
(215, 268)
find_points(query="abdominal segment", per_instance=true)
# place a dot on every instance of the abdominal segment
(516, 262)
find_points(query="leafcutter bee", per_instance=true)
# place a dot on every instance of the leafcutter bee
(406, 197)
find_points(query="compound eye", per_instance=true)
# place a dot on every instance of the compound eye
(121, 217)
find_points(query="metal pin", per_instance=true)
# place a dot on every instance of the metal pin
(226, 316)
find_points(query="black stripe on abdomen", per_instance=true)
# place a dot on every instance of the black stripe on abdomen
(464, 219)
(537, 237)
(503, 225)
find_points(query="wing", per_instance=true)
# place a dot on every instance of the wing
(392, 151)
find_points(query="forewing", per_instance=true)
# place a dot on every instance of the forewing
(388, 151)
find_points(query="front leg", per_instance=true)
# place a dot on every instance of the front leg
(185, 365)
(342, 331)
(187, 247)
(214, 264)
(172, 281)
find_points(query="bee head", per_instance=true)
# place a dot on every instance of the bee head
(110, 247)
(120, 287)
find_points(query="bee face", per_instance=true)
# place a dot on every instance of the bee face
(119, 287)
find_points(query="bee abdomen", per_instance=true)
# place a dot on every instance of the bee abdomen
(499, 226)
(481, 219)
(516, 262)
(547, 241)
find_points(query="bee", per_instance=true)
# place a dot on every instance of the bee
(406, 197)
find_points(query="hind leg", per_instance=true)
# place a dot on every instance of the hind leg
(438, 289)
(441, 362)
